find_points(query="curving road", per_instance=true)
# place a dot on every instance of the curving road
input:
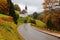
(29, 33)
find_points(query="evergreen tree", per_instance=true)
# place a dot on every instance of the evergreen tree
(12, 11)
(49, 24)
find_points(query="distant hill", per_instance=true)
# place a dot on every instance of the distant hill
(40, 13)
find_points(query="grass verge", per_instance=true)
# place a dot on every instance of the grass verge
(8, 30)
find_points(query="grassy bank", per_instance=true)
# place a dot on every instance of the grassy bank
(8, 30)
(20, 21)
(40, 25)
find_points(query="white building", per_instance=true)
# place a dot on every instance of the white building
(24, 12)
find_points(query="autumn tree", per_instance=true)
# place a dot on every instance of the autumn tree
(7, 7)
(17, 9)
(16, 6)
(4, 7)
(50, 5)
(52, 8)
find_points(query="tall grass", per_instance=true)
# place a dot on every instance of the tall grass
(8, 30)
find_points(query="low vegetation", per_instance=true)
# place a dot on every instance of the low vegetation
(20, 21)
(6, 18)
(8, 29)
(40, 24)
(9, 15)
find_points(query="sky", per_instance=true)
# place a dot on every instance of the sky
(32, 5)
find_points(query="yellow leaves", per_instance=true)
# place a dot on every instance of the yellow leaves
(46, 2)
(10, 19)
(52, 13)
(50, 4)
(8, 30)
(45, 11)
(45, 7)
(5, 1)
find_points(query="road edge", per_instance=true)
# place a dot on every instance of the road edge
(58, 36)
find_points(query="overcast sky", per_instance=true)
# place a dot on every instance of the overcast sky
(33, 5)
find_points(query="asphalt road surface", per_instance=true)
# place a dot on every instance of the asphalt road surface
(28, 33)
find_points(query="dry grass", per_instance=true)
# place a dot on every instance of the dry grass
(8, 30)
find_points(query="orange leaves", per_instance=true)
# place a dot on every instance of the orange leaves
(51, 13)
(45, 10)
(10, 19)
(46, 2)
(4, 7)
(45, 7)
(7, 19)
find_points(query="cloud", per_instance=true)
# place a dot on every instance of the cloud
(29, 2)
(31, 9)
(33, 5)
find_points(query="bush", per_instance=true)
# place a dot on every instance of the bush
(49, 24)
(33, 21)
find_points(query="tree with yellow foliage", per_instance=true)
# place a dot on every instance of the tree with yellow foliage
(7, 7)
(50, 5)
(52, 8)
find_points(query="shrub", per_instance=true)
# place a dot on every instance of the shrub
(49, 24)
(33, 21)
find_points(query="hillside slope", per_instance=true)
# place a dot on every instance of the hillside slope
(8, 30)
